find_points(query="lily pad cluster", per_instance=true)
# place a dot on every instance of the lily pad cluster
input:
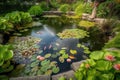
(86, 24)
(24, 47)
(73, 33)
(37, 67)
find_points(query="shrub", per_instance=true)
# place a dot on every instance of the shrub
(44, 6)
(5, 25)
(102, 65)
(64, 8)
(114, 43)
(35, 10)
(5, 56)
(80, 9)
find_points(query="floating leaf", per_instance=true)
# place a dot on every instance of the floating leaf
(73, 52)
(48, 72)
(33, 64)
(78, 45)
(64, 48)
(45, 63)
(54, 56)
(65, 55)
(55, 48)
(53, 63)
(55, 69)
(39, 72)
(47, 55)
(62, 51)
(61, 59)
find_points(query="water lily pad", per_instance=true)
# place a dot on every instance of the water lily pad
(78, 45)
(55, 69)
(47, 55)
(73, 33)
(45, 63)
(65, 55)
(61, 59)
(53, 63)
(48, 72)
(62, 51)
(39, 72)
(73, 52)
(33, 64)
(55, 48)
(54, 56)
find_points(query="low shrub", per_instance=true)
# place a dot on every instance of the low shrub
(64, 8)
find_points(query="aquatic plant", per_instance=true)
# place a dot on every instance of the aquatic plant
(6, 54)
(45, 67)
(64, 8)
(35, 10)
(73, 33)
(24, 47)
(86, 24)
(102, 65)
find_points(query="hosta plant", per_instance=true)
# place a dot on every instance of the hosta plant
(5, 24)
(5, 56)
(102, 65)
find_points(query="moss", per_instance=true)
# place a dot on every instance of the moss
(86, 24)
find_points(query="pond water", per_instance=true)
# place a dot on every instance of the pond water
(51, 43)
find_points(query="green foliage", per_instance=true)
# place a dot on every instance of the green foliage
(44, 6)
(6, 55)
(86, 24)
(73, 33)
(100, 66)
(35, 10)
(5, 24)
(64, 8)
(114, 43)
(80, 9)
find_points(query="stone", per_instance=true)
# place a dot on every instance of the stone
(75, 66)
(41, 77)
(67, 75)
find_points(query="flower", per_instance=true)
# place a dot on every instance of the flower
(68, 60)
(110, 57)
(40, 58)
(87, 65)
(116, 66)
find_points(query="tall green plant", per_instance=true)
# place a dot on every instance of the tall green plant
(6, 55)
(64, 8)
(35, 10)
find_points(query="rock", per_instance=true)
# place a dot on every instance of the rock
(76, 65)
(1, 38)
(41, 77)
(99, 20)
(67, 75)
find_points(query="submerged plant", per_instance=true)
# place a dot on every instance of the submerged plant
(73, 33)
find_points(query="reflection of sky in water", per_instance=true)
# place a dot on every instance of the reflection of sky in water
(49, 38)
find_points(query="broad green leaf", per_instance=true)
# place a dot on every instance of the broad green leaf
(55, 69)
(45, 63)
(108, 76)
(103, 65)
(1, 62)
(62, 51)
(78, 45)
(65, 56)
(8, 54)
(79, 75)
(61, 59)
(73, 52)
(91, 62)
(96, 55)
(62, 78)
(47, 55)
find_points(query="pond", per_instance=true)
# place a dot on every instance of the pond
(47, 52)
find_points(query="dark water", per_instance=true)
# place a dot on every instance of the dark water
(51, 26)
